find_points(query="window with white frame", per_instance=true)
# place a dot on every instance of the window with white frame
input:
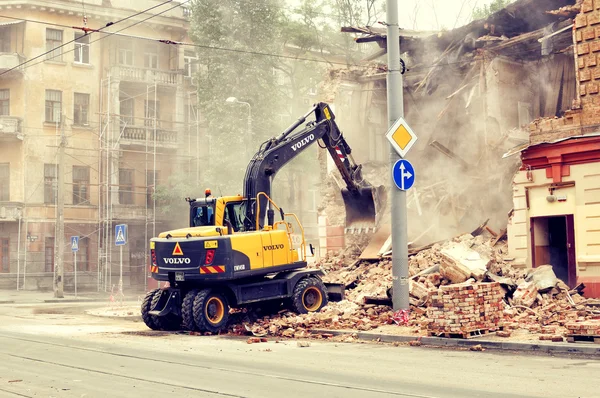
(125, 52)
(81, 185)
(54, 39)
(81, 107)
(190, 61)
(53, 106)
(82, 48)
(5, 102)
(151, 56)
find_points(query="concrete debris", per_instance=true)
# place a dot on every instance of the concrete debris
(493, 295)
(543, 277)
(461, 263)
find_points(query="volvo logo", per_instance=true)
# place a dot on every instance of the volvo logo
(175, 261)
(273, 247)
(303, 142)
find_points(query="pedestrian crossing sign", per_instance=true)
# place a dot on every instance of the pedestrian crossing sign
(121, 234)
(74, 243)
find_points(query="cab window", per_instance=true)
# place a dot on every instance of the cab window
(203, 215)
(235, 213)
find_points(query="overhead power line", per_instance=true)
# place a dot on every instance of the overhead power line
(89, 30)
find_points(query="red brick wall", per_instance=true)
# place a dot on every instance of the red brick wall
(585, 116)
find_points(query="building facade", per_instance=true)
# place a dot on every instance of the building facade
(123, 107)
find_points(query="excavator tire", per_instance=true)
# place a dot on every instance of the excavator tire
(211, 310)
(310, 295)
(187, 310)
(169, 321)
(148, 319)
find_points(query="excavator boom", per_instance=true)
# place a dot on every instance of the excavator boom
(363, 201)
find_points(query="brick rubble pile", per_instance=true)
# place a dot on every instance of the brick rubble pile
(584, 328)
(460, 309)
(531, 300)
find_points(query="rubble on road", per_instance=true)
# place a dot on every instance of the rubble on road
(535, 301)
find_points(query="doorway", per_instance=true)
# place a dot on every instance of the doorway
(553, 243)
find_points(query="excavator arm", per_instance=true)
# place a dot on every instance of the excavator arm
(361, 199)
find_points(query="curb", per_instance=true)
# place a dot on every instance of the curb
(556, 348)
(124, 318)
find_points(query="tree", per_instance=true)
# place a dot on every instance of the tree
(487, 10)
(229, 35)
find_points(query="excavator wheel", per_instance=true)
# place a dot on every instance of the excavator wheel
(211, 310)
(169, 321)
(148, 319)
(187, 310)
(310, 295)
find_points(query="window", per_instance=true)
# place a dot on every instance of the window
(203, 215)
(49, 255)
(152, 111)
(4, 182)
(5, 39)
(126, 186)
(5, 102)
(4, 255)
(190, 63)
(125, 52)
(54, 39)
(187, 11)
(235, 213)
(81, 185)
(81, 109)
(152, 181)
(83, 262)
(53, 106)
(82, 48)
(126, 111)
(151, 56)
(50, 184)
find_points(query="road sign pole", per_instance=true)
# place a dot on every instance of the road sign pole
(121, 270)
(75, 269)
(395, 108)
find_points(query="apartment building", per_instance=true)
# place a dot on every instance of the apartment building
(123, 107)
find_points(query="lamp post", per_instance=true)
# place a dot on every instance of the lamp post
(233, 100)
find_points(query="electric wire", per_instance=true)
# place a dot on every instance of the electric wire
(87, 31)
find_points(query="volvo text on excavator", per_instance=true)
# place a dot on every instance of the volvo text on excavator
(230, 256)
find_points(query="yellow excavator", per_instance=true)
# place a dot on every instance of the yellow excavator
(231, 257)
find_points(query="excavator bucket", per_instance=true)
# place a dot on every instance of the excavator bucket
(363, 207)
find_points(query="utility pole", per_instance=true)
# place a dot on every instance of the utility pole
(395, 109)
(60, 220)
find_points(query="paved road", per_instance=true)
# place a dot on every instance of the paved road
(154, 364)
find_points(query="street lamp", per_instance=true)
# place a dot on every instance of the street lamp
(233, 100)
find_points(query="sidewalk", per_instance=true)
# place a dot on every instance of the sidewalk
(35, 297)
(484, 342)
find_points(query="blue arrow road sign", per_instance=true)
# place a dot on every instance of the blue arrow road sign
(75, 243)
(404, 174)
(121, 234)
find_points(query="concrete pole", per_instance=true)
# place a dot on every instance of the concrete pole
(395, 108)
(60, 219)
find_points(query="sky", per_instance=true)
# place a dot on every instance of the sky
(432, 14)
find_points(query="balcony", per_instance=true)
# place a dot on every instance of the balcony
(142, 136)
(148, 76)
(10, 211)
(9, 61)
(10, 128)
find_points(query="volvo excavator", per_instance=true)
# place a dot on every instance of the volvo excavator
(235, 254)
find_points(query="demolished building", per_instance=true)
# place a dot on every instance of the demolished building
(522, 81)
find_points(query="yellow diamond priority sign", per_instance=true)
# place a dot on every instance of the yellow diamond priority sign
(401, 136)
